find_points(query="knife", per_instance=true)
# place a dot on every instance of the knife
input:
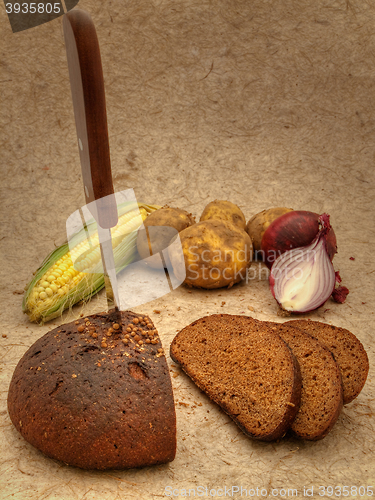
(87, 87)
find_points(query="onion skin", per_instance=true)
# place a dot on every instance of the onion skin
(339, 294)
(293, 230)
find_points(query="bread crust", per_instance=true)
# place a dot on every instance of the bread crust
(83, 396)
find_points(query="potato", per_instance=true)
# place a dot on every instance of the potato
(215, 254)
(224, 210)
(162, 225)
(257, 225)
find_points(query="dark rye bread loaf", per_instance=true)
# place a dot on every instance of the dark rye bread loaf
(347, 350)
(322, 393)
(97, 395)
(244, 367)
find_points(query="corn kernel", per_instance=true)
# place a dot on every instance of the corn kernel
(42, 295)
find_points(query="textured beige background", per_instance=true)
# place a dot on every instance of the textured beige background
(262, 103)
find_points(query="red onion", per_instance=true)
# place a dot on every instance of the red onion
(302, 279)
(294, 229)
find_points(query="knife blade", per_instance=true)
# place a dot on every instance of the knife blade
(87, 88)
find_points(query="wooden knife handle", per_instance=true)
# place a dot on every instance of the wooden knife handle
(87, 86)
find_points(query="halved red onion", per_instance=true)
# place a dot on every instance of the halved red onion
(302, 279)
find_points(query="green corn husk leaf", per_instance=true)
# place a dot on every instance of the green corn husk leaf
(91, 283)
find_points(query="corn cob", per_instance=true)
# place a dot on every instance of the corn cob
(58, 284)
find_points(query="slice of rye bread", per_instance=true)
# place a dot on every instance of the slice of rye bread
(322, 393)
(244, 367)
(347, 350)
(87, 396)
